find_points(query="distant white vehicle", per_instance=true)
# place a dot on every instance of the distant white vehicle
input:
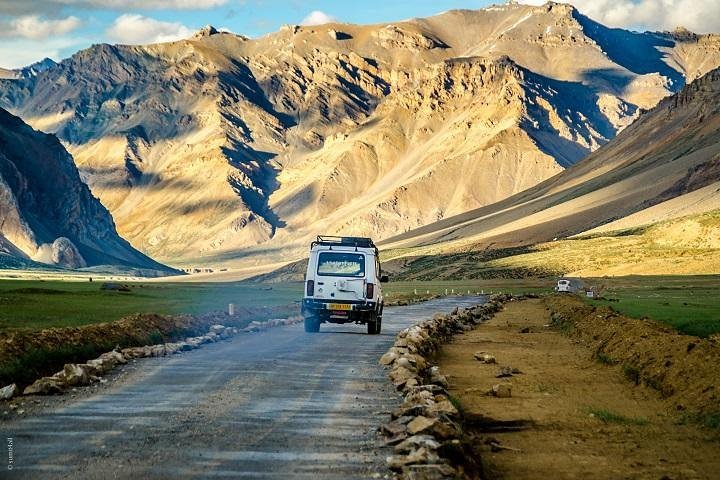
(563, 285)
(342, 283)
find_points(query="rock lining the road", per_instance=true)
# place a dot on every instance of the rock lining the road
(75, 375)
(425, 429)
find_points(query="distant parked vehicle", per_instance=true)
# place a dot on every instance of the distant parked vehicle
(564, 285)
(342, 283)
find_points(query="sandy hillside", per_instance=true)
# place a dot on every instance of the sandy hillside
(224, 150)
(664, 166)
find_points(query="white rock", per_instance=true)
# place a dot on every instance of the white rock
(9, 392)
(74, 374)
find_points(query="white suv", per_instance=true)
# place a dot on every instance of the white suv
(342, 284)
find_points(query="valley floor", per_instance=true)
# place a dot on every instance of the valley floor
(570, 416)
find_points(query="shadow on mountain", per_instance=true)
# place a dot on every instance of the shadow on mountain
(241, 80)
(638, 52)
(256, 181)
(575, 104)
(120, 178)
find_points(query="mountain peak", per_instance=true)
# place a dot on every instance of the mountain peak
(206, 31)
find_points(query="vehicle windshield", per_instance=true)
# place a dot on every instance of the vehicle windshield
(341, 264)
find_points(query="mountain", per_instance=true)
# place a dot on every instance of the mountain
(47, 214)
(226, 150)
(657, 185)
(29, 71)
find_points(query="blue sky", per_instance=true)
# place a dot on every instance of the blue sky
(33, 29)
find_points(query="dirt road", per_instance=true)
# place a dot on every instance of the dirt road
(279, 404)
(570, 416)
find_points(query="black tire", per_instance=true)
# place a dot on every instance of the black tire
(378, 326)
(373, 325)
(312, 325)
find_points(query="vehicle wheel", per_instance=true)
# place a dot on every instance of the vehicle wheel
(372, 326)
(312, 325)
(378, 326)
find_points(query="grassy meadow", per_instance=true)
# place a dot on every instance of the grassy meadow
(40, 304)
(688, 303)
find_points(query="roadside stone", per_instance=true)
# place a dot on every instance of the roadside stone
(158, 351)
(435, 389)
(134, 352)
(504, 372)
(409, 410)
(502, 390)
(484, 357)
(436, 471)
(419, 456)
(404, 362)
(437, 378)
(417, 441)
(418, 396)
(44, 386)
(427, 409)
(401, 375)
(420, 424)
(8, 392)
(114, 356)
(73, 374)
(410, 384)
(388, 358)
(393, 429)
(442, 407)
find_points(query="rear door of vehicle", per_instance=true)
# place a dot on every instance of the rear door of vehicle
(340, 275)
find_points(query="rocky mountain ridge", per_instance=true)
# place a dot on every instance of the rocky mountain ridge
(226, 150)
(47, 214)
(665, 166)
(29, 71)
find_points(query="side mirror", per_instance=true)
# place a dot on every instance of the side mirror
(384, 279)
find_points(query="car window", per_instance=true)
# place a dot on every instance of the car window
(341, 264)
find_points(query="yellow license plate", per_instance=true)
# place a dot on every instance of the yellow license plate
(339, 306)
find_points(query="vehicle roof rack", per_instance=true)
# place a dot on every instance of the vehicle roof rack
(333, 241)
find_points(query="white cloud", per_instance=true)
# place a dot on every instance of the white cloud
(137, 29)
(21, 52)
(17, 7)
(701, 16)
(316, 17)
(35, 28)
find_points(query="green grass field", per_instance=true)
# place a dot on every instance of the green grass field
(38, 304)
(688, 303)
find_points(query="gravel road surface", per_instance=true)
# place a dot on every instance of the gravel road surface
(278, 404)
